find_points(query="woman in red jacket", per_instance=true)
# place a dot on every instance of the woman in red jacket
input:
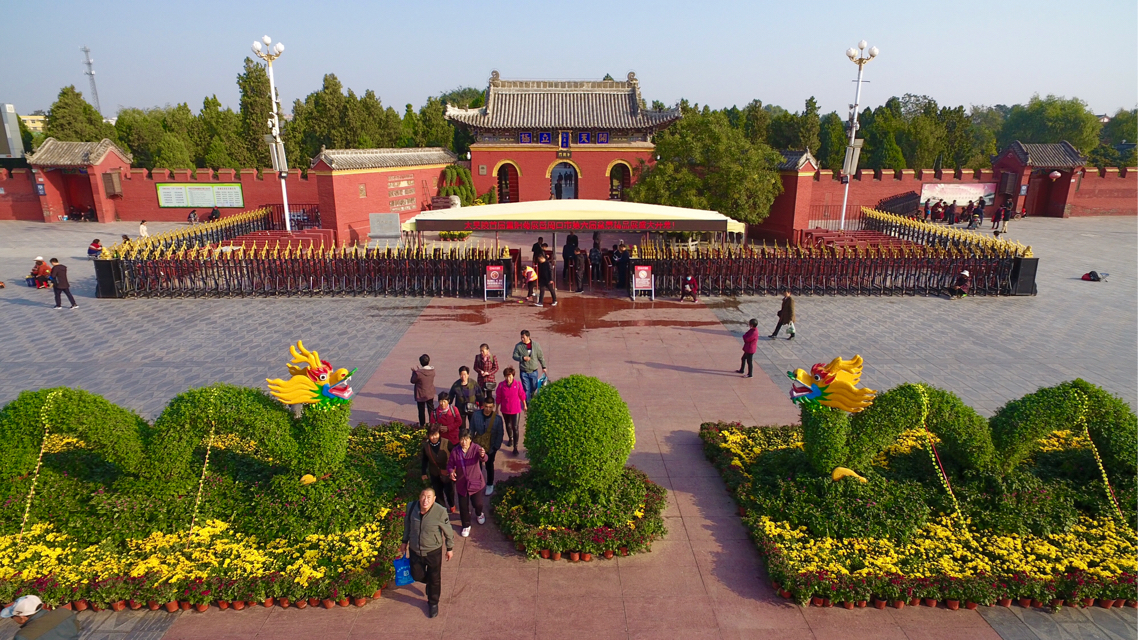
(750, 346)
(511, 399)
(448, 417)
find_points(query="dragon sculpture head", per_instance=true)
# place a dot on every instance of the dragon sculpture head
(313, 381)
(832, 385)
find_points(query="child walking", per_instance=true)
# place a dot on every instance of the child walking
(750, 346)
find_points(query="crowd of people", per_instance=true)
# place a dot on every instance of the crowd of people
(579, 267)
(971, 214)
(473, 421)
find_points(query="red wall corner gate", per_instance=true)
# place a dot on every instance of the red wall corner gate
(495, 281)
(642, 280)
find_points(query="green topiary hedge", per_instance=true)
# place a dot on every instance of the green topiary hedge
(1114, 429)
(964, 434)
(825, 435)
(578, 434)
(879, 425)
(1018, 425)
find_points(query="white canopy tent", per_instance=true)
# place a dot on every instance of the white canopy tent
(573, 215)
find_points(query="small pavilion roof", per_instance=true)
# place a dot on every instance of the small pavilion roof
(348, 159)
(570, 104)
(1059, 155)
(55, 153)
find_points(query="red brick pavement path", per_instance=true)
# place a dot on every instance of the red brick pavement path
(673, 365)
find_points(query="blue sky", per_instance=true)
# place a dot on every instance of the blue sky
(710, 52)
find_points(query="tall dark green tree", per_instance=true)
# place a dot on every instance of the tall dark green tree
(756, 122)
(256, 109)
(807, 126)
(705, 163)
(172, 153)
(881, 148)
(1052, 119)
(958, 138)
(73, 119)
(434, 129)
(409, 129)
(921, 136)
(832, 141)
(140, 131)
(1123, 127)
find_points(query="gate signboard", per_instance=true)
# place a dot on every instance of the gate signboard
(495, 281)
(642, 280)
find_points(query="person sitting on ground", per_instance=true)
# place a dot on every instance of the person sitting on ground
(37, 622)
(689, 286)
(214, 215)
(91, 215)
(193, 217)
(94, 249)
(40, 273)
(960, 288)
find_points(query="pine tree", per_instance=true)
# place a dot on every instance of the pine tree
(172, 153)
(256, 109)
(217, 155)
(73, 119)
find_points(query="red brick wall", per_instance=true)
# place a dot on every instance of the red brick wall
(534, 163)
(343, 209)
(140, 196)
(19, 200)
(1109, 193)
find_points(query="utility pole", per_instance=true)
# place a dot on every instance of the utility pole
(90, 73)
(273, 138)
(853, 150)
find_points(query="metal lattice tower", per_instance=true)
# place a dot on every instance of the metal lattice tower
(90, 72)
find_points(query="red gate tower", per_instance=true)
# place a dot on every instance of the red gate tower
(553, 139)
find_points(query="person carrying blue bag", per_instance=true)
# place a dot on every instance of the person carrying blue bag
(426, 528)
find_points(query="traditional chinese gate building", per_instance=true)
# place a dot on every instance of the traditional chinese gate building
(560, 140)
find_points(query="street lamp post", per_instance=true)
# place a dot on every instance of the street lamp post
(849, 167)
(280, 164)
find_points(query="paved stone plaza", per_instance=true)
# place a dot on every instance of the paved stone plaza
(672, 364)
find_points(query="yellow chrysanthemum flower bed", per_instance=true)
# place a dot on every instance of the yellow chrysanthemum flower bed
(945, 558)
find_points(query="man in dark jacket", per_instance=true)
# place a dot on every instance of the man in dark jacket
(488, 422)
(581, 262)
(465, 394)
(545, 282)
(36, 623)
(425, 529)
(60, 284)
(785, 316)
(433, 463)
(961, 286)
(424, 380)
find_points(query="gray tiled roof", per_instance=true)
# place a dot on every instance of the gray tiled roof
(576, 104)
(1059, 155)
(793, 160)
(53, 153)
(344, 159)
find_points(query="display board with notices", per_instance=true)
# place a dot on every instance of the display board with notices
(204, 196)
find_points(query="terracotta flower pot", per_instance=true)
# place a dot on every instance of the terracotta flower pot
(377, 594)
(1056, 603)
(66, 606)
(930, 602)
(742, 512)
(784, 593)
(1088, 602)
(816, 601)
(185, 605)
(284, 602)
(201, 607)
(847, 605)
(268, 603)
(359, 602)
(898, 604)
(98, 606)
(238, 605)
(300, 604)
(1005, 602)
(1133, 604)
(970, 605)
(520, 547)
(152, 605)
(343, 602)
(1105, 604)
(545, 554)
(608, 554)
(118, 605)
(171, 606)
(134, 604)
(79, 605)
(223, 604)
(775, 585)
(574, 556)
(879, 604)
(328, 603)
(952, 605)
(1025, 602)
(587, 557)
(914, 602)
(314, 602)
(861, 604)
(624, 551)
(555, 555)
(1036, 604)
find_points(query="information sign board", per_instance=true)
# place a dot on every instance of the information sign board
(642, 280)
(495, 280)
(200, 196)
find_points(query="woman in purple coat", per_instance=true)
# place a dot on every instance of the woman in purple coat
(465, 468)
